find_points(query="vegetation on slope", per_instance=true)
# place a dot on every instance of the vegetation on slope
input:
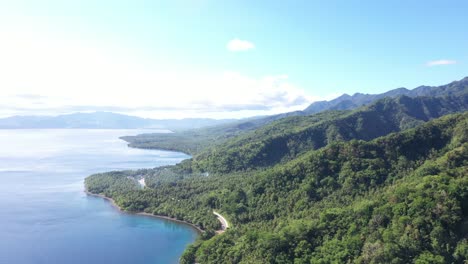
(401, 198)
(288, 138)
(196, 140)
(129, 196)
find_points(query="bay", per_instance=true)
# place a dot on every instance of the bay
(45, 217)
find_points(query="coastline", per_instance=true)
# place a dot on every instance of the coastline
(224, 224)
(198, 229)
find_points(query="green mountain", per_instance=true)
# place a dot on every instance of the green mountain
(194, 141)
(401, 198)
(384, 183)
(287, 138)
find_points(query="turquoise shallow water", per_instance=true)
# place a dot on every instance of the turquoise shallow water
(46, 218)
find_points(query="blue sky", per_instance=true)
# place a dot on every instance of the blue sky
(97, 55)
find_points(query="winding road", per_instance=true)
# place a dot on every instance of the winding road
(224, 223)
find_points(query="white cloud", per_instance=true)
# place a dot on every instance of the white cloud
(440, 62)
(46, 75)
(239, 45)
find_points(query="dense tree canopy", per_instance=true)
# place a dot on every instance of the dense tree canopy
(287, 138)
(197, 140)
(400, 198)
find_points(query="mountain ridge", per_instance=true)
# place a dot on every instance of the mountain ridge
(287, 138)
(193, 141)
(346, 101)
(104, 120)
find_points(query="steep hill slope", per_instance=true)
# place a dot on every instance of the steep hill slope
(289, 137)
(197, 140)
(385, 183)
(401, 198)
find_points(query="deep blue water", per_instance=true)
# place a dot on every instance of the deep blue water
(46, 218)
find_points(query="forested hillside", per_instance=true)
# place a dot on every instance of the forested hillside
(400, 198)
(195, 141)
(378, 184)
(287, 138)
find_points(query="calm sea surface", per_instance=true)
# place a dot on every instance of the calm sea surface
(46, 218)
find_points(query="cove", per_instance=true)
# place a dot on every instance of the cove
(45, 217)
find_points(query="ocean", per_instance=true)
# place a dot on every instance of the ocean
(45, 217)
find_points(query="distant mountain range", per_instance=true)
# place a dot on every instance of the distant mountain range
(105, 120)
(346, 102)
(111, 120)
(196, 140)
(349, 102)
